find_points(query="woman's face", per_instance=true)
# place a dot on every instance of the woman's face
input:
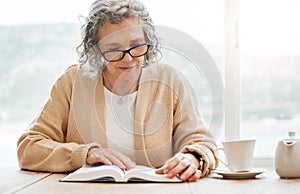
(125, 35)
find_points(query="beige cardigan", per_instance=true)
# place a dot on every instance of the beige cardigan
(73, 120)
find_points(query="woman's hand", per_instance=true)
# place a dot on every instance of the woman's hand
(109, 157)
(185, 165)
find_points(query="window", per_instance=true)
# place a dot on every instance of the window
(269, 71)
(262, 63)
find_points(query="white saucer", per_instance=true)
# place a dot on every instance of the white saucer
(239, 175)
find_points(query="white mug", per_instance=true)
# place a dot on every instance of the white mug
(238, 154)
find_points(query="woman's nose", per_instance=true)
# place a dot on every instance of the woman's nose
(127, 57)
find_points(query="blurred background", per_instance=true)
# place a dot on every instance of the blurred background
(38, 40)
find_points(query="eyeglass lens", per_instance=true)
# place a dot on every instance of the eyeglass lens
(116, 55)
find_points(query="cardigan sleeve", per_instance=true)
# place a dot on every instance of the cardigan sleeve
(190, 132)
(43, 146)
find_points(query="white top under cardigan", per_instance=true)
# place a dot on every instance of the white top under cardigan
(119, 118)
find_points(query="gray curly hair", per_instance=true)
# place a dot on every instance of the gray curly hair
(113, 11)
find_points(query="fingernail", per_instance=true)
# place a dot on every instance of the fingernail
(131, 165)
(123, 167)
(182, 177)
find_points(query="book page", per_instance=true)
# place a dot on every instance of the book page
(92, 173)
(143, 173)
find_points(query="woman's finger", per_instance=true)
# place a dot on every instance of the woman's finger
(126, 161)
(159, 171)
(115, 161)
(180, 167)
(109, 157)
(101, 158)
(172, 163)
(195, 176)
(188, 172)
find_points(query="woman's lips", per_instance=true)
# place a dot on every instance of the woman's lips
(127, 68)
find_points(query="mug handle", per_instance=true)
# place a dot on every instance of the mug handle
(219, 157)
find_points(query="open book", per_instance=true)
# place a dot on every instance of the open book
(113, 173)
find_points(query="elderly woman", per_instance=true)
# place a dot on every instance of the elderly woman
(119, 106)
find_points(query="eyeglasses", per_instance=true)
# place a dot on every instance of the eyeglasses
(117, 55)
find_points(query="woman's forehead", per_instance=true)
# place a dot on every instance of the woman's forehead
(129, 29)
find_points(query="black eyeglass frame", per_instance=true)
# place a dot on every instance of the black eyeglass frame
(124, 52)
